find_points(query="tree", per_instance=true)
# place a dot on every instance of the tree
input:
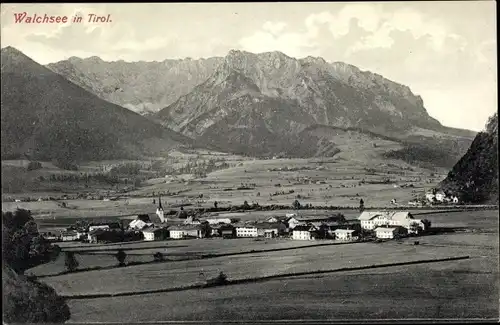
(427, 224)
(25, 300)
(361, 205)
(22, 245)
(34, 165)
(206, 230)
(246, 206)
(215, 204)
(70, 261)
(296, 204)
(121, 256)
(158, 257)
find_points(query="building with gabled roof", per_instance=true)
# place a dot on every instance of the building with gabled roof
(373, 219)
(303, 232)
(154, 233)
(390, 232)
(185, 231)
(345, 234)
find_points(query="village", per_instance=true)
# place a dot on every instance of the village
(369, 225)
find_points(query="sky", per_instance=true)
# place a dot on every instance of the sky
(444, 51)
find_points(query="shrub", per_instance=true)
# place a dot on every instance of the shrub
(158, 257)
(34, 165)
(70, 262)
(121, 256)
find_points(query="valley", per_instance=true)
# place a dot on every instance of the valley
(247, 138)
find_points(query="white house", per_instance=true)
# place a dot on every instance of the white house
(139, 224)
(95, 227)
(246, 231)
(345, 234)
(293, 222)
(192, 221)
(373, 219)
(216, 221)
(389, 232)
(69, 236)
(440, 196)
(177, 232)
(429, 196)
(152, 234)
(304, 233)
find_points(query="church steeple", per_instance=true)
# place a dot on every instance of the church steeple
(159, 211)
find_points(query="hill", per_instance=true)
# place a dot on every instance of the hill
(475, 175)
(46, 117)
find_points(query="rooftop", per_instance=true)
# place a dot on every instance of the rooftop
(384, 229)
(347, 231)
(398, 216)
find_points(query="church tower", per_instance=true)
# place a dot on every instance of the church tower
(160, 212)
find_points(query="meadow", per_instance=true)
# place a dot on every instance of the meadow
(452, 289)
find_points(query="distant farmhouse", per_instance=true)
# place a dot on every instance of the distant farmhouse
(439, 196)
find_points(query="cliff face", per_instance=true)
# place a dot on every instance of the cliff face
(475, 176)
(139, 86)
(278, 96)
(334, 94)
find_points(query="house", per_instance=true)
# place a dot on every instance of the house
(272, 219)
(373, 219)
(292, 222)
(95, 227)
(304, 233)
(192, 221)
(227, 231)
(246, 231)
(455, 199)
(104, 226)
(152, 234)
(440, 196)
(215, 230)
(270, 230)
(69, 236)
(345, 234)
(390, 232)
(216, 221)
(141, 222)
(338, 218)
(430, 196)
(104, 236)
(50, 236)
(185, 231)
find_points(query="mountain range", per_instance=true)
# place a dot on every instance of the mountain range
(255, 104)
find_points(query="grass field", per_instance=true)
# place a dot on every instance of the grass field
(454, 289)
(329, 181)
